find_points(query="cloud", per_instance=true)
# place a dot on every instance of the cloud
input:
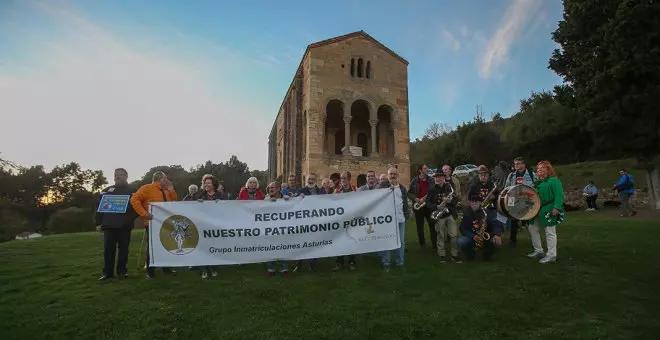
(516, 18)
(85, 94)
(451, 40)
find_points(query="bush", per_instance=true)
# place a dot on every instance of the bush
(71, 220)
(11, 223)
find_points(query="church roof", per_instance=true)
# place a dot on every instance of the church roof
(353, 35)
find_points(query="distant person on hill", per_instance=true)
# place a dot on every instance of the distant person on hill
(116, 228)
(626, 188)
(590, 193)
(159, 190)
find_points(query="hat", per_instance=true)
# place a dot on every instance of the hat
(482, 169)
(475, 197)
(438, 174)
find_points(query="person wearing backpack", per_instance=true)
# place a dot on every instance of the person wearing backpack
(626, 188)
(521, 175)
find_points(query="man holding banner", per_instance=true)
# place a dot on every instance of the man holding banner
(160, 190)
(401, 213)
(115, 217)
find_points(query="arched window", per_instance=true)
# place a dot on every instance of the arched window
(352, 67)
(368, 70)
(360, 68)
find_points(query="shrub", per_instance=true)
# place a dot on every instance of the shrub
(71, 220)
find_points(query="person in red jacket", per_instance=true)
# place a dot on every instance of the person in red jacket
(251, 191)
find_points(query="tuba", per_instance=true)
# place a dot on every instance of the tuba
(418, 206)
(442, 209)
(482, 233)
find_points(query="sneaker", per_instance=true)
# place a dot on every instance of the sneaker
(123, 275)
(633, 213)
(548, 259)
(150, 276)
(351, 266)
(214, 273)
(269, 274)
(443, 259)
(512, 244)
(457, 259)
(103, 278)
(535, 254)
(386, 269)
(205, 274)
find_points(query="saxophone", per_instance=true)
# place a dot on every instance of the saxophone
(482, 234)
(487, 200)
(418, 206)
(442, 209)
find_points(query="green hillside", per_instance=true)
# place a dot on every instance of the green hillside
(603, 287)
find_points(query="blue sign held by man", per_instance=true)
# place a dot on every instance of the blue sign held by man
(116, 204)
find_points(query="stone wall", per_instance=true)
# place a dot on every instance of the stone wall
(575, 199)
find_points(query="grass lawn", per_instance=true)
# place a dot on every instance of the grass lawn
(603, 287)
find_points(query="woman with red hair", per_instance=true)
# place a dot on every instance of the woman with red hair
(551, 214)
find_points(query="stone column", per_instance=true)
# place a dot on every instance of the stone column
(394, 131)
(347, 132)
(324, 137)
(374, 147)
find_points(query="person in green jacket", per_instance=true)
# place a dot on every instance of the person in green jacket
(551, 214)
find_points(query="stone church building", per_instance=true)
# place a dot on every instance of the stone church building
(346, 110)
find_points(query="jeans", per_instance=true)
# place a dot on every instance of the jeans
(115, 239)
(467, 246)
(387, 254)
(591, 201)
(421, 215)
(550, 238)
(284, 267)
(626, 205)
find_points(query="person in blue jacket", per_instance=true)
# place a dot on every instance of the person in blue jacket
(625, 186)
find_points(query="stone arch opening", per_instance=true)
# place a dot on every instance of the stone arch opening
(334, 124)
(361, 180)
(363, 142)
(352, 67)
(360, 126)
(339, 142)
(385, 130)
(360, 68)
(368, 72)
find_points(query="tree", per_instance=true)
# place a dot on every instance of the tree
(608, 57)
(67, 179)
(436, 130)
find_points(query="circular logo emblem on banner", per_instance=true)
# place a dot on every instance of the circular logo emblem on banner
(178, 235)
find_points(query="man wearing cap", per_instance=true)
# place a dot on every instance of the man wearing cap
(483, 187)
(445, 225)
(471, 224)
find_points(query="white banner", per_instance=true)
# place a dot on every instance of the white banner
(234, 232)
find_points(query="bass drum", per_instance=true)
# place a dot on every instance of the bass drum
(519, 202)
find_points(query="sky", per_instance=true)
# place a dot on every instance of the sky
(136, 84)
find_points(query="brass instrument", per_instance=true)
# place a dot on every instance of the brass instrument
(487, 200)
(482, 234)
(442, 209)
(418, 206)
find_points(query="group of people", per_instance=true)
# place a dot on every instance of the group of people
(436, 199)
(443, 191)
(625, 187)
